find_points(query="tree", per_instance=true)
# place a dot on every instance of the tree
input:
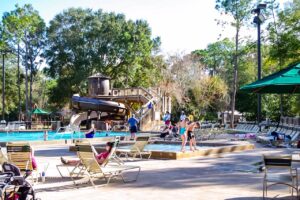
(216, 56)
(82, 42)
(11, 88)
(185, 79)
(240, 11)
(284, 34)
(24, 31)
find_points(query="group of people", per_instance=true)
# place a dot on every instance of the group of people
(184, 128)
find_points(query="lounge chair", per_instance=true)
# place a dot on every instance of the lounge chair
(92, 169)
(244, 128)
(3, 158)
(77, 170)
(137, 149)
(286, 176)
(270, 140)
(20, 154)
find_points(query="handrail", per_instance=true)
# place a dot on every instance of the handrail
(134, 89)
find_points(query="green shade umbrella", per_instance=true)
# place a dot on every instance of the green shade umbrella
(39, 111)
(286, 81)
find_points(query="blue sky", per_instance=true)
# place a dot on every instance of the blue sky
(183, 25)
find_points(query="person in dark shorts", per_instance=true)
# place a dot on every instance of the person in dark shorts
(190, 135)
(132, 121)
(91, 132)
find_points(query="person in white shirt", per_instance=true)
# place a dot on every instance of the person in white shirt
(182, 116)
(167, 118)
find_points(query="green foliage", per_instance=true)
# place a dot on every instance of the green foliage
(240, 11)
(82, 42)
(24, 29)
(284, 35)
(24, 25)
(11, 88)
(209, 92)
(217, 56)
(192, 89)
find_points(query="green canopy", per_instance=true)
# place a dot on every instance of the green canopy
(39, 111)
(286, 81)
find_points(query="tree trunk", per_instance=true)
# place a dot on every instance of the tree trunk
(26, 79)
(30, 88)
(235, 77)
(19, 84)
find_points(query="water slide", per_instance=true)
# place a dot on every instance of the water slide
(90, 104)
(77, 118)
(94, 105)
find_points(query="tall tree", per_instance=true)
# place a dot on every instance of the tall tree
(25, 34)
(82, 42)
(217, 56)
(284, 37)
(240, 11)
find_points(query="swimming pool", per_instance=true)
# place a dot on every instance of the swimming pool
(52, 135)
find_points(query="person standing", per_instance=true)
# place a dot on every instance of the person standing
(183, 132)
(191, 136)
(182, 116)
(91, 132)
(167, 118)
(132, 121)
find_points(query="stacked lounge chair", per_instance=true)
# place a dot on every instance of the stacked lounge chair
(267, 138)
(245, 128)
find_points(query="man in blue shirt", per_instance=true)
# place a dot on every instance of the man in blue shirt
(132, 121)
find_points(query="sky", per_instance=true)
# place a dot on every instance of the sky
(182, 25)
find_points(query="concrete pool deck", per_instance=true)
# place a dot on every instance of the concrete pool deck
(229, 176)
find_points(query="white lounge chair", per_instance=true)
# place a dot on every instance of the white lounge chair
(137, 149)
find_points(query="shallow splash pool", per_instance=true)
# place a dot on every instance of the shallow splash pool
(52, 135)
(170, 147)
(166, 150)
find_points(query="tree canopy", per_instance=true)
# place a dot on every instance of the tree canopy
(82, 42)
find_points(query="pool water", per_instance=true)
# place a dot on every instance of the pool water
(167, 147)
(52, 135)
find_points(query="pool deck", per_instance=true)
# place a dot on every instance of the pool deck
(229, 176)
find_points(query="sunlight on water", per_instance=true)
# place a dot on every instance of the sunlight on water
(52, 135)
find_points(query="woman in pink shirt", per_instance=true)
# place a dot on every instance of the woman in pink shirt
(100, 157)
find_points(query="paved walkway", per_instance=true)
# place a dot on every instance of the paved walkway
(230, 176)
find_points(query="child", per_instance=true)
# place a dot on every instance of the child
(183, 132)
(191, 136)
